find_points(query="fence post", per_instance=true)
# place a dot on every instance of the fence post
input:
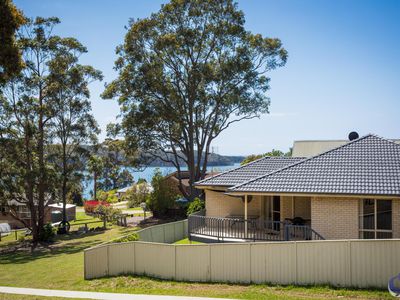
(286, 237)
(16, 235)
(218, 228)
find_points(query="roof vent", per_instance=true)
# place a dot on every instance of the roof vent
(353, 136)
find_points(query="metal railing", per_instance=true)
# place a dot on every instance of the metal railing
(226, 229)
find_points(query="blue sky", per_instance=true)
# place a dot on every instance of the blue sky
(343, 71)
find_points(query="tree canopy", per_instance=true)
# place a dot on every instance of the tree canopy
(11, 19)
(47, 95)
(186, 73)
(273, 152)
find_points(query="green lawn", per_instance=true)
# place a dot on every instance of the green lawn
(61, 267)
(186, 241)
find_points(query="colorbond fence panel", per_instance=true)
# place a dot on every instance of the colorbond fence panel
(121, 259)
(193, 261)
(156, 260)
(373, 263)
(360, 263)
(321, 263)
(165, 233)
(230, 262)
(157, 234)
(169, 233)
(273, 262)
(96, 262)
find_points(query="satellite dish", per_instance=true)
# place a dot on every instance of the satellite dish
(353, 136)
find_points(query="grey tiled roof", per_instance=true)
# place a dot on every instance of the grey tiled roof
(249, 171)
(369, 165)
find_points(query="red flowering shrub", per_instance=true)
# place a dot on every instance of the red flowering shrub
(91, 205)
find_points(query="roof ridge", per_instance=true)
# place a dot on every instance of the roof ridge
(303, 161)
(385, 139)
(242, 166)
(234, 169)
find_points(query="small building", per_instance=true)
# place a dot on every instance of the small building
(52, 214)
(22, 212)
(56, 210)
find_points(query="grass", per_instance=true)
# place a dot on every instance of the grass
(61, 267)
(10, 239)
(82, 218)
(186, 242)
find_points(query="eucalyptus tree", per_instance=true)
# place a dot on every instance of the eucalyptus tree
(74, 127)
(186, 73)
(95, 167)
(11, 18)
(115, 162)
(27, 122)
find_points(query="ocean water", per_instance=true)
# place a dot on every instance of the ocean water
(148, 174)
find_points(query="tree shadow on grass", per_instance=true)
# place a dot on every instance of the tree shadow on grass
(70, 244)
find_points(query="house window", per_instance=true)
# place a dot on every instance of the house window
(375, 219)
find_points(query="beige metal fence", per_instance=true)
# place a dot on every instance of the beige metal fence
(165, 233)
(359, 263)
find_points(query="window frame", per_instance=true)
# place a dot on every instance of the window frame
(375, 230)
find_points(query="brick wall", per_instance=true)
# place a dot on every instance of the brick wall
(302, 207)
(286, 208)
(220, 205)
(335, 218)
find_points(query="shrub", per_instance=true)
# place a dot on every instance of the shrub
(163, 196)
(195, 206)
(91, 205)
(107, 213)
(109, 196)
(141, 180)
(129, 238)
(137, 194)
(47, 233)
(75, 197)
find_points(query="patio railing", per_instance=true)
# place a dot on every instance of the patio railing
(231, 229)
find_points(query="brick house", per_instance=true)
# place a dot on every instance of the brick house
(348, 192)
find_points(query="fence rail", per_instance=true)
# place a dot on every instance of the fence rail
(229, 229)
(346, 263)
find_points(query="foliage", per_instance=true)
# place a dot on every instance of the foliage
(109, 196)
(75, 196)
(129, 238)
(162, 197)
(186, 73)
(107, 213)
(141, 180)
(95, 167)
(48, 233)
(273, 152)
(194, 206)
(114, 175)
(29, 172)
(137, 194)
(73, 124)
(11, 19)
(90, 206)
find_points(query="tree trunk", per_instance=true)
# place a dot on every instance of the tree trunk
(95, 186)
(64, 186)
(42, 168)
